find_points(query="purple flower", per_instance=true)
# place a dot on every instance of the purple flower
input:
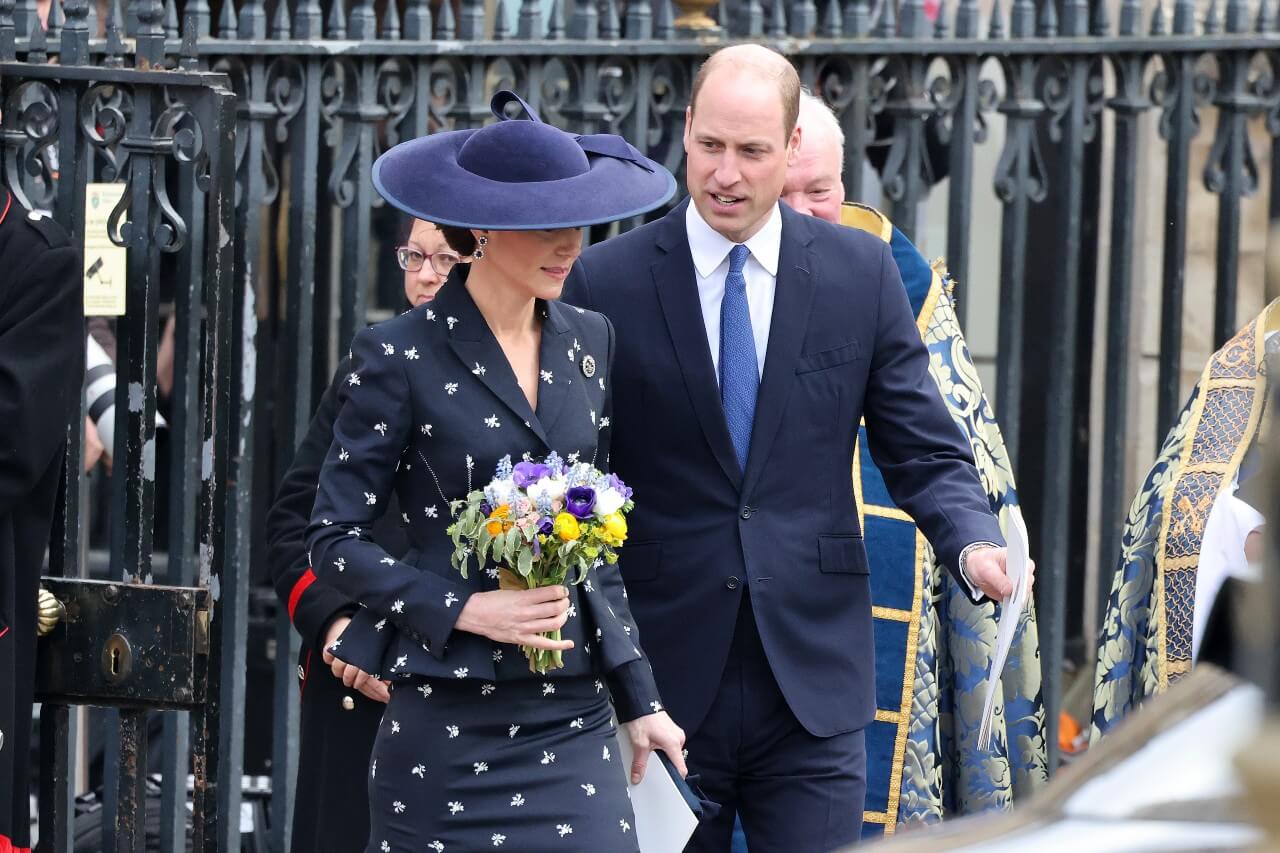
(546, 526)
(580, 501)
(526, 474)
(485, 509)
(615, 482)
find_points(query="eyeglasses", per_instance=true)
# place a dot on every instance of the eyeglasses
(411, 260)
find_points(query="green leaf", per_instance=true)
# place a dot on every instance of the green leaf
(525, 563)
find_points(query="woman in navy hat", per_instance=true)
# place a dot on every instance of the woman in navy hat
(475, 751)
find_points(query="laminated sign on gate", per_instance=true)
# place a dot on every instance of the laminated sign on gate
(105, 263)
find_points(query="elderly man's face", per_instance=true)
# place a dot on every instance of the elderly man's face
(813, 184)
(738, 151)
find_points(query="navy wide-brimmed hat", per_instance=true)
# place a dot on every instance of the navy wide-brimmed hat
(520, 175)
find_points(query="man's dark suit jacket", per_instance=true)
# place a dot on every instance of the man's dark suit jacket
(843, 346)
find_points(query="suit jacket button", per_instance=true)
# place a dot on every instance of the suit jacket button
(302, 673)
(746, 512)
(731, 583)
(348, 704)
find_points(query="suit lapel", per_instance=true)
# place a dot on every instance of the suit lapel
(479, 351)
(677, 285)
(792, 297)
(558, 358)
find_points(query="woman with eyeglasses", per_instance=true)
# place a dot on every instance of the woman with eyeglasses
(341, 705)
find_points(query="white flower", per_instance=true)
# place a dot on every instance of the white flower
(517, 801)
(400, 661)
(425, 690)
(450, 599)
(426, 429)
(492, 422)
(587, 585)
(436, 846)
(431, 511)
(564, 829)
(452, 321)
(574, 457)
(405, 517)
(461, 672)
(492, 572)
(455, 807)
(572, 611)
(480, 767)
(547, 377)
(487, 689)
(398, 807)
(548, 688)
(656, 706)
(608, 501)
(385, 847)
(512, 729)
(388, 349)
(497, 655)
(395, 727)
(340, 564)
(420, 771)
(553, 488)
(593, 415)
(381, 427)
(353, 379)
(370, 498)
(451, 388)
(355, 531)
(431, 315)
(576, 724)
(626, 827)
(626, 628)
(571, 354)
(373, 769)
(380, 624)
(388, 561)
(498, 838)
(343, 455)
(599, 685)
(602, 383)
(589, 788)
(335, 644)
(604, 422)
(548, 757)
(606, 755)
(411, 353)
(453, 731)
(397, 606)
(479, 369)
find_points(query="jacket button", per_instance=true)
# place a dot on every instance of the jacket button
(1, 740)
(731, 583)
(302, 673)
(746, 512)
(348, 704)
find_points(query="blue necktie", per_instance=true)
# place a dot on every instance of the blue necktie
(739, 373)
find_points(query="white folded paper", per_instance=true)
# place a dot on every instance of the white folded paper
(1010, 616)
(664, 821)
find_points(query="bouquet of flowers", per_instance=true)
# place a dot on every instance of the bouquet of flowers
(541, 524)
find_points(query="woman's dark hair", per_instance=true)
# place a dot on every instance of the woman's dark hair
(461, 240)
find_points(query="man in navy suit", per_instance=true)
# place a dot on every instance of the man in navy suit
(751, 342)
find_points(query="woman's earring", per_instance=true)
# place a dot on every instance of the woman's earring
(479, 252)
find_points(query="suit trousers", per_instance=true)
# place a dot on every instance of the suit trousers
(794, 792)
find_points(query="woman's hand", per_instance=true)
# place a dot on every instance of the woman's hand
(352, 676)
(650, 732)
(519, 617)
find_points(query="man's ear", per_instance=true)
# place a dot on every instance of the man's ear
(793, 146)
(688, 126)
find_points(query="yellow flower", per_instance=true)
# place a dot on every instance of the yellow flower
(501, 512)
(566, 527)
(615, 528)
(494, 528)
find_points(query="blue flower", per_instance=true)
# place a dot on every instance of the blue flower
(526, 474)
(580, 501)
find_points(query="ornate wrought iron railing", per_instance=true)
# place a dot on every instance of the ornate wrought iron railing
(1061, 88)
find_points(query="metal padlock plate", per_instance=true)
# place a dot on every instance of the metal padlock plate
(124, 645)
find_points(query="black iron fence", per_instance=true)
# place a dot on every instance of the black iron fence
(1062, 88)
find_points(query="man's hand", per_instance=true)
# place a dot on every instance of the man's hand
(650, 732)
(93, 449)
(352, 676)
(988, 571)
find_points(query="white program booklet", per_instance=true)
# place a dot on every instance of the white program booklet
(1011, 610)
(664, 821)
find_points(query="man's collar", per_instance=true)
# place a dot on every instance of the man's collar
(709, 247)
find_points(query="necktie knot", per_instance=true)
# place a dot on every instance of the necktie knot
(737, 260)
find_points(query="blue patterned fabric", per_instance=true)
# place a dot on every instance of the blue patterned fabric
(739, 370)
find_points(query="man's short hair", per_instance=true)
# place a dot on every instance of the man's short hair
(782, 71)
(817, 113)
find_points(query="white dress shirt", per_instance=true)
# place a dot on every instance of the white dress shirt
(710, 251)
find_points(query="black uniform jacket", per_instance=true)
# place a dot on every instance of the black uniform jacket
(41, 370)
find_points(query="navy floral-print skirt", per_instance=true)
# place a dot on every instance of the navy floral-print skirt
(529, 765)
